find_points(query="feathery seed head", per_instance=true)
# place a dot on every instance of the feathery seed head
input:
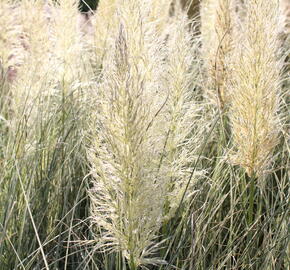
(217, 19)
(127, 197)
(256, 88)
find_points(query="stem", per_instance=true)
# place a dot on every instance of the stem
(251, 201)
(132, 264)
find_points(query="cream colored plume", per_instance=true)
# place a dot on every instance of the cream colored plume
(127, 196)
(216, 35)
(256, 88)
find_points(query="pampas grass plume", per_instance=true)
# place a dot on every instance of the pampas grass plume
(127, 196)
(217, 19)
(256, 88)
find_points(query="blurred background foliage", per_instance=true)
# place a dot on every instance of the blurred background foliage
(87, 5)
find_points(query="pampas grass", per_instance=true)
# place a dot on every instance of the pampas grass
(104, 23)
(126, 196)
(256, 89)
(217, 20)
(129, 140)
(183, 111)
(10, 42)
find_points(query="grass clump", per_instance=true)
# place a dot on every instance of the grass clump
(136, 137)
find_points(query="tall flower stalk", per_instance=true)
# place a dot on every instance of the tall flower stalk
(127, 195)
(216, 34)
(182, 113)
(256, 88)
